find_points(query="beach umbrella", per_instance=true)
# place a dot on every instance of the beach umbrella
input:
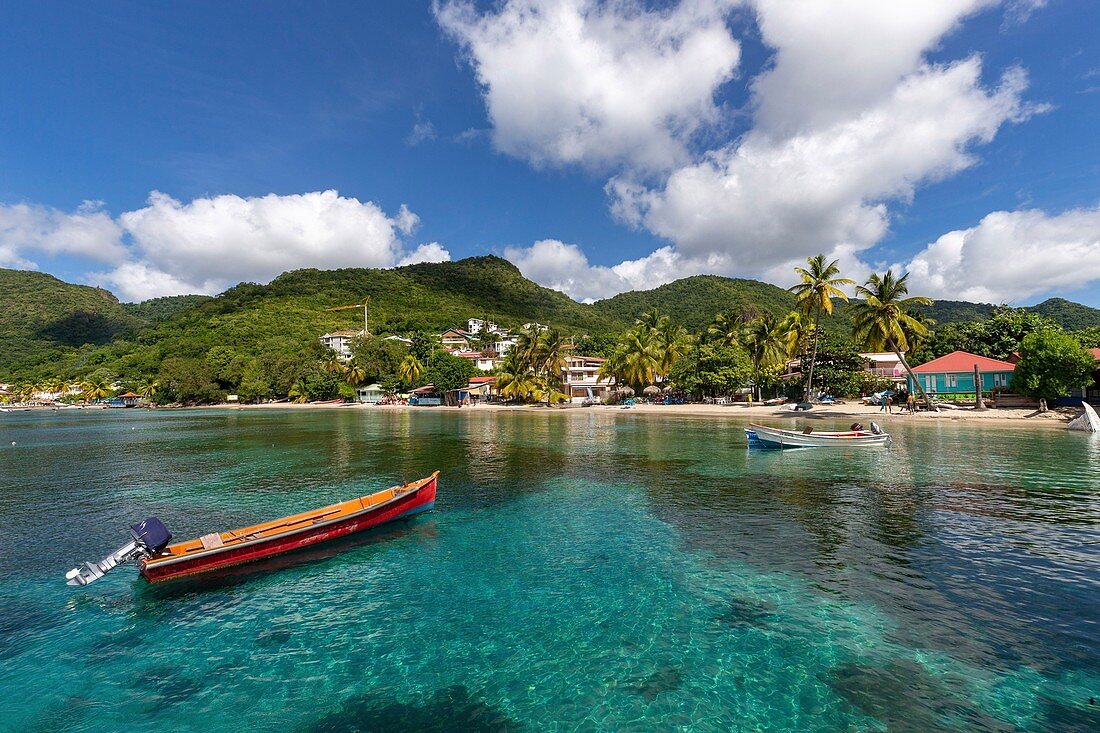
(627, 391)
(651, 390)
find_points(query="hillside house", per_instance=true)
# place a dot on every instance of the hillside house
(340, 342)
(455, 338)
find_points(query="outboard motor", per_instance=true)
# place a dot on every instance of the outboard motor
(875, 428)
(150, 537)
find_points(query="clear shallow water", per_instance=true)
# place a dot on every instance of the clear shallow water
(582, 572)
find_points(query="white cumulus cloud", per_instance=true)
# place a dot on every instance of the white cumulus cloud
(848, 120)
(170, 247)
(430, 252)
(29, 228)
(561, 266)
(763, 201)
(1011, 256)
(596, 83)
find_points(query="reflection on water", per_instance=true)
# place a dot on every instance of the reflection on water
(583, 569)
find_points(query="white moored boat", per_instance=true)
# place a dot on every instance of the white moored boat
(762, 436)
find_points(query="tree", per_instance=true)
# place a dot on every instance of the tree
(411, 371)
(883, 319)
(515, 380)
(448, 372)
(1051, 363)
(996, 337)
(672, 343)
(422, 346)
(354, 374)
(763, 340)
(95, 388)
(188, 381)
(640, 357)
(814, 296)
(602, 346)
(712, 369)
(379, 359)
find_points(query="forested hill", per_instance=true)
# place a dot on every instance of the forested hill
(40, 315)
(694, 301)
(52, 328)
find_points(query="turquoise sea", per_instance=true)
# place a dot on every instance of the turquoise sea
(582, 571)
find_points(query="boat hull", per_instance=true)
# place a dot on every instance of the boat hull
(402, 506)
(761, 436)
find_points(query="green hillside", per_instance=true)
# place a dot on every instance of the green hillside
(1070, 315)
(41, 316)
(52, 328)
(694, 301)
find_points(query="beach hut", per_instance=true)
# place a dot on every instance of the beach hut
(371, 394)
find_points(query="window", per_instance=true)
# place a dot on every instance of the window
(930, 383)
(952, 380)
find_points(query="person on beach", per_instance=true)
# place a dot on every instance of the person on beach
(889, 405)
(911, 404)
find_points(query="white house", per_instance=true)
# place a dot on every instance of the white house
(886, 365)
(340, 342)
(480, 360)
(581, 380)
(407, 342)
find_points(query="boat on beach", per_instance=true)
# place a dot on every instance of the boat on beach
(158, 560)
(763, 436)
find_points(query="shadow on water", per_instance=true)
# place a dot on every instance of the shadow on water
(905, 697)
(150, 594)
(666, 679)
(741, 612)
(449, 710)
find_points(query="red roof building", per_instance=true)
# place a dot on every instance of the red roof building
(954, 373)
(958, 362)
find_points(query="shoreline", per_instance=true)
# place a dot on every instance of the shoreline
(851, 412)
(743, 413)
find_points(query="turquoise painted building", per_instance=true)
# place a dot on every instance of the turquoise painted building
(954, 374)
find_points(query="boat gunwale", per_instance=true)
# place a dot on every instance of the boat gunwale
(417, 486)
(845, 435)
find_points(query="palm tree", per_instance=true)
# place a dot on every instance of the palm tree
(95, 388)
(354, 374)
(763, 338)
(672, 342)
(882, 319)
(612, 367)
(726, 327)
(333, 365)
(514, 377)
(640, 357)
(797, 332)
(814, 296)
(298, 391)
(410, 370)
(148, 390)
(550, 354)
(527, 344)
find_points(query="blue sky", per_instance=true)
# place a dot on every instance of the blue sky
(530, 129)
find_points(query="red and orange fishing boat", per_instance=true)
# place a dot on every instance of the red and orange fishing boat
(159, 560)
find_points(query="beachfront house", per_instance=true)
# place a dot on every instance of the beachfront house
(953, 374)
(885, 365)
(580, 380)
(369, 395)
(340, 342)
